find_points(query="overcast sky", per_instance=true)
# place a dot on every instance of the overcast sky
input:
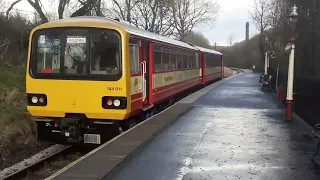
(232, 17)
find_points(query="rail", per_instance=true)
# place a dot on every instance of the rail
(21, 173)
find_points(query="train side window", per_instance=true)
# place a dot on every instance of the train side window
(186, 61)
(218, 61)
(180, 61)
(190, 57)
(173, 61)
(134, 59)
(157, 61)
(211, 60)
(208, 60)
(197, 60)
(166, 61)
(205, 60)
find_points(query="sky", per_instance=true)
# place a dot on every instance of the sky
(231, 19)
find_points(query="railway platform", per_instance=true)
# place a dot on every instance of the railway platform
(232, 130)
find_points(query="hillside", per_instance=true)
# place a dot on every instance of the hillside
(242, 54)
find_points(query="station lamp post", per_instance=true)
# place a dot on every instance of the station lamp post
(268, 54)
(265, 77)
(293, 18)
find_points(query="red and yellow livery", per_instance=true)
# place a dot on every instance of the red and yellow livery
(88, 76)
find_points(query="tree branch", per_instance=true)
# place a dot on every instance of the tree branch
(11, 6)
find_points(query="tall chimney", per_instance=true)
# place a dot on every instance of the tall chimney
(247, 31)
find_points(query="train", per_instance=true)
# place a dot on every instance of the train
(90, 78)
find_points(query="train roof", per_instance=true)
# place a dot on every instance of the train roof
(130, 29)
(208, 50)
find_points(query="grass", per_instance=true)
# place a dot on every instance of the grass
(16, 126)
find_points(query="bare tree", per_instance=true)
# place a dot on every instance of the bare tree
(260, 18)
(61, 7)
(277, 20)
(230, 40)
(36, 5)
(85, 7)
(188, 14)
(11, 6)
(122, 9)
(154, 16)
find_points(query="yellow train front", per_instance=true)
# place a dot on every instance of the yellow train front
(73, 94)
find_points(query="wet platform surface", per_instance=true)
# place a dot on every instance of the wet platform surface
(233, 132)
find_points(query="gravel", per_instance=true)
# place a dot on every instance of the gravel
(31, 160)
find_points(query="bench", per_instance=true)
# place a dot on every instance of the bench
(316, 132)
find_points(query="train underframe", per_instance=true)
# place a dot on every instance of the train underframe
(77, 129)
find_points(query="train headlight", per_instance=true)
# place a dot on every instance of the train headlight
(116, 103)
(34, 99)
(37, 99)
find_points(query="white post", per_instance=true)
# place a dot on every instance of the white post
(266, 64)
(290, 84)
(277, 78)
(290, 74)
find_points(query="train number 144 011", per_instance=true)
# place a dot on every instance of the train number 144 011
(114, 88)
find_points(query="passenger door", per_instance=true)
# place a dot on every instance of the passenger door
(145, 71)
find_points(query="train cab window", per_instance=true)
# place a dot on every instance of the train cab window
(75, 56)
(134, 59)
(105, 53)
(76, 53)
(48, 53)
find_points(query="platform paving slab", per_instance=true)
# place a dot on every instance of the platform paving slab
(235, 131)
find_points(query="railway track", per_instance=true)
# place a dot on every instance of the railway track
(44, 163)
